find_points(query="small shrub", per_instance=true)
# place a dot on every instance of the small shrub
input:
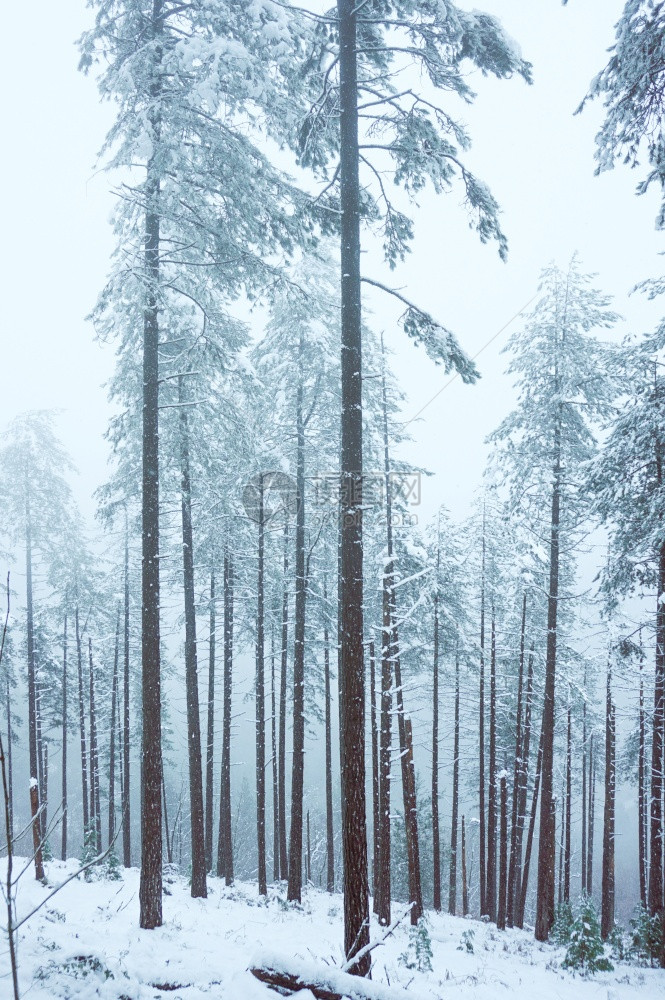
(418, 954)
(586, 952)
(466, 943)
(111, 868)
(646, 936)
(563, 924)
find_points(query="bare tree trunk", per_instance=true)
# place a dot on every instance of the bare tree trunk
(517, 776)
(150, 888)
(126, 800)
(592, 812)
(95, 809)
(210, 741)
(436, 836)
(294, 890)
(584, 787)
(503, 854)
(225, 840)
(167, 837)
(375, 777)
(330, 842)
(84, 752)
(481, 740)
(309, 853)
(490, 890)
(657, 756)
(642, 805)
(546, 841)
(569, 792)
(283, 854)
(197, 818)
(350, 620)
(275, 789)
(385, 749)
(607, 901)
(260, 705)
(529, 838)
(114, 707)
(63, 850)
(465, 885)
(32, 697)
(452, 891)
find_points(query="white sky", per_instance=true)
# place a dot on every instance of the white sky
(537, 158)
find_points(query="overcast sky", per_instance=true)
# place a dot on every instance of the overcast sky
(537, 158)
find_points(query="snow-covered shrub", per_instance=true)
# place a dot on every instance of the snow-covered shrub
(563, 924)
(418, 954)
(466, 943)
(646, 936)
(586, 952)
(111, 868)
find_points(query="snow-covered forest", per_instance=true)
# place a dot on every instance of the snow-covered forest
(281, 714)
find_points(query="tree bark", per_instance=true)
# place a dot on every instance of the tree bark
(517, 776)
(210, 741)
(225, 840)
(584, 786)
(283, 853)
(260, 704)
(197, 818)
(529, 838)
(607, 893)
(569, 792)
(114, 708)
(351, 665)
(126, 799)
(330, 842)
(642, 805)
(63, 850)
(436, 835)
(657, 757)
(481, 740)
(275, 789)
(452, 890)
(592, 811)
(150, 888)
(294, 891)
(95, 809)
(375, 778)
(84, 752)
(547, 835)
(32, 696)
(503, 855)
(465, 885)
(490, 890)
(385, 750)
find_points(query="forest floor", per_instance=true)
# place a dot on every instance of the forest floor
(85, 943)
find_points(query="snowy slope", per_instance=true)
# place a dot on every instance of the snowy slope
(86, 944)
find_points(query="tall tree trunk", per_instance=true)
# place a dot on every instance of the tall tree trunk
(32, 697)
(465, 885)
(436, 836)
(167, 838)
(481, 740)
(657, 757)
(126, 803)
(607, 895)
(547, 835)
(294, 891)
(529, 837)
(330, 842)
(385, 749)
(84, 753)
(584, 786)
(490, 890)
(150, 888)
(351, 665)
(592, 811)
(63, 850)
(197, 817)
(225, 841)
(503, 854)
(452, 890)
(273, 737)
(391, 640)
(517, 777)
(95, 808)
(260, 704)
(283, 854)
(210, 741)
(375, 777)
(642, 799)
(114, 708)
(569, 793)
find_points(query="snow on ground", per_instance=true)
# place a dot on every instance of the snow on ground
(86, 943)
